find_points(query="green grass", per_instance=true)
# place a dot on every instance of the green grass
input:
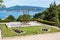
(8, 32)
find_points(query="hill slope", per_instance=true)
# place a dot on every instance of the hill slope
(18, 8)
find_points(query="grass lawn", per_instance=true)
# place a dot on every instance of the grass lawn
(8, 32)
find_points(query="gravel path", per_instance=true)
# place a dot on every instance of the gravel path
(49, 36)
(0, 35)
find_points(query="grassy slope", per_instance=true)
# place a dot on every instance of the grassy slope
(8, 32)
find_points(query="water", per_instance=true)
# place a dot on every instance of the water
(4, 14)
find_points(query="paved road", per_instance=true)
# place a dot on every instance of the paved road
(49, 36)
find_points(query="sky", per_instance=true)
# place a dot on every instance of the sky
(38, 3)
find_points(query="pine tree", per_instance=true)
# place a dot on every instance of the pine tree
(56, 13)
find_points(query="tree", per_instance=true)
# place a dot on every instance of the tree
(10, 18)
(0, 19)
(38, 16)
(48, 14)
(2, 5)
(51, 13)
(55, 11)
(1, 1)
(25, 17)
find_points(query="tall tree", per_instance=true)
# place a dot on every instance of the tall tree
(52, 13)
(56, 13)
(2, 5)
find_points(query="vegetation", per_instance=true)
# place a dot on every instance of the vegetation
(10, 18)
(21, 18)
(4, 21)
(2, 5)
(47, 22)
(51, 14)
(8, 32)
(1, 1)
(25, 17)
(38, 16)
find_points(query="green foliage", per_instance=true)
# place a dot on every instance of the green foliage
(39, 15)
(47, 22)
(10, 18)
(1, 1)
(0, 19)
(2, 5)
(50, 14)
(25, 17)
(4, 20)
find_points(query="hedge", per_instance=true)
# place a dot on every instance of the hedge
(47, 22)
(4, 21)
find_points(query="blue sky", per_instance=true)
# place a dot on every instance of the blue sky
(39, 3)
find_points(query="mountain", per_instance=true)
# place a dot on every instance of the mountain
(18, 8)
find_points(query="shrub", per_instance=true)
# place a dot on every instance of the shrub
(47, 22)
(4, 20)
(11, 18)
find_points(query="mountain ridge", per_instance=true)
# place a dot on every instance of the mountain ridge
(18, 8)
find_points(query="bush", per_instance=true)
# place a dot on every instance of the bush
(23, 18)
(4, 20)
(11, 18)
(47, 22)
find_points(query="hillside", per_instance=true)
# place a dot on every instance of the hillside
(18, 8)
